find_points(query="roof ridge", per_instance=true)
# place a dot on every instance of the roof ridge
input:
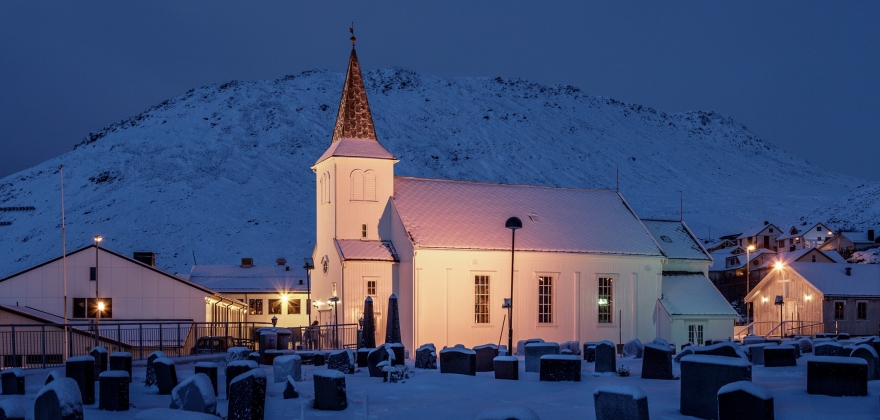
(459, 181)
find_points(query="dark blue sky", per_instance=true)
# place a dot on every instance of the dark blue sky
(803, 75)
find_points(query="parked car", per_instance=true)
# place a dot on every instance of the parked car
(218, 344)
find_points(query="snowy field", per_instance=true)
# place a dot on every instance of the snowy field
(430, 395)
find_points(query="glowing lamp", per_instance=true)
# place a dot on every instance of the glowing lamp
(603, 301)
(764, 299)
(101, 306)
(778, 265)
(751, 247)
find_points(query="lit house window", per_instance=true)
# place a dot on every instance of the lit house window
(256, 306)
(274, 306)
(89, 308)
(839, 310)
(606, 303)
(294, 306)
(481, 299)
(545, 299)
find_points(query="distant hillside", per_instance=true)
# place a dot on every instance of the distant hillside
(223, 170)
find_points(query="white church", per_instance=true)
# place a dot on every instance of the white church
(586, 267)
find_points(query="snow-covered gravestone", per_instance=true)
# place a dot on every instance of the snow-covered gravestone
(378, 355)
(12, 381)
(657, 362)
(426, 357)
(166, 375)
(534, 351)
(113, 390)
(521, 345)
(806, 345)
(82, 370)
(753, 339)
(756, 352)
(60, 400)
(247, 396)
(236, 368)
(744, 400)
(196, 394)
(780, 356)
(606, 357)
(100, 355)
(829, 349)
(560, 367)
(485, 354)
(868, 353)
(362, 354)
(837, 376)
(11, 409)
(574, 346)
(458, 360)
(330, 390)
(703, 376)
(285, 366)
(506, 367)
(234, 354)
(171, 414)
(399, 353)
(509, 413)
(614, 402)
(590, 352)
(210, 370)
(150, 379)
(633, 348)
(290, 388)
(53, 375)
(121, 360)
(341, 360)
(723, 348)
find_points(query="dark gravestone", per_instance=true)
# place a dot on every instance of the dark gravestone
(780, 356)
(485, 355)
(150, 379)
(121, 361)
(657, 362)
(237, 368)
(399, 353)
(341, 360)
(506, 367)
(100, 355)
(753, 339)
(756, 352)
(12, 381)
(290, 389)
(614, 402)
(392, 329)
(195, 394)
(368, 335)
(11, 409)
(61, 400)
(362, 354)
(864, 351)
(287, 365)
(458, 360)
(842, 336)
(534, 351)
(166, 375)
(725, 348)
(330, 390)
(590, 352)
(807, 345)
(560, 367)
(52, 376)
(703, 376)
(378, 355)
(270, 355)
(426, 357)
(837, 376)
(744, 400)
(210, 370)
(794, 343)
(318, 359)
(82, 370)
(113, 390)
(606, 357)
(828, 349)
(255, 356)
(247, 396)
(521, 345)
(633, 348)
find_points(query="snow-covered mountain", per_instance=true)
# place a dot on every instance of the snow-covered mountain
(223, 172)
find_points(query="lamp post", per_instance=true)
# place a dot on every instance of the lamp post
(274, 321)
(98, 303)
(335, 301)
(309, 265)
(513, 224)
(780, 302)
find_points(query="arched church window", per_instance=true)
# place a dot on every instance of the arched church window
(326, 190)
(357, 185)
(370, 186)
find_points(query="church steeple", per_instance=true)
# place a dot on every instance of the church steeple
(354, 120)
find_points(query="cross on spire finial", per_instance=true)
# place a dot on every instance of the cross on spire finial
(353, 39)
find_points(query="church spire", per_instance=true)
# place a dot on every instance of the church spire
(354, 120)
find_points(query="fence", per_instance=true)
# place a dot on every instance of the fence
(787, 328)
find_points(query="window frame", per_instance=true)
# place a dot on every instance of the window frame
(842, 315)
(482, 299)
(861, 310)
(88, 312)
(696, 334)
(252, 308)
(546, 318)
(367, 287)
(294, 306)
(275, 307)
(610, 304)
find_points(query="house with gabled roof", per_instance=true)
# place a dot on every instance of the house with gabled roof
(763, 236)
(847, 242)
(796, 238)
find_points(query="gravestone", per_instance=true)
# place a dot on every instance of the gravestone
(753, 339)
(210, 370)
(842, 336)
(590, 352)
(150, 379)
(362, 354)
(521, 345)
(633, 348)
(780, 356)
(61, 399)
(12, 381)
(82, 370)
(837, 376)
(829, 349)
(341, 360)
(11, 409)
(53, 375)
(269, 356)
(574, 346)
(376, 356)
(795, 344)
(703, 376)
(509, 413)
(234, 354)
(458, 360)
(724, 348)
(560, 367)
(756, 352)
(330, 390)
(614, 402)
(485, 355)
(318, 359)
(247, 396)
(743, 400)
(236, 368)
(113, 390)
(657, 362)
(196, 394)
(166, 375)
(806, 345)
(426, 357)
(399, 353)
(100, 355)
(169, 414)
(368, 333)
(534, 351)
(284, 366)
(606, 357)
(121, 361)
(868, 353)
(290, 388)
(255, 357)
(506, 367)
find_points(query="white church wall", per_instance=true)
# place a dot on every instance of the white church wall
(404, 277)
(352, 213)
(352, 296)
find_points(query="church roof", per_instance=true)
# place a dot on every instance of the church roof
(471, 215)
(676, 240)
(358, 250)
(356, 148)
(693, 294)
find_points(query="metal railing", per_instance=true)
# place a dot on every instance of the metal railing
(321, 337)
(771, 329)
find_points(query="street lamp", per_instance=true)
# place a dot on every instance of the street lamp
(274, 321)
(309, 265)
(334, 301)
(780, 302)
(749, 249)
(100, 304)
(513, 224)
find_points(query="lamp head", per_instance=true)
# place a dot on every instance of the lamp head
(513, 223)
(308, 263)
(101, 306)
(750, 248)
(98, 238)
(778, 265)
(274, 320)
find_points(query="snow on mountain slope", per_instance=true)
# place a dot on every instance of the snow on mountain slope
(223, 170)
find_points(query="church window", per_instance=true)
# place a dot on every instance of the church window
(357, 185)
(606, 302)
(325, 188)
(481, 299)
(814, 258)
(369, 186)
(371, 287)
(818, 229)
(363, 231)
(545, 299)
(695, 334)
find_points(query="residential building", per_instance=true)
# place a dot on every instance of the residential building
(846, 243)
(760, 236)
(809, 237)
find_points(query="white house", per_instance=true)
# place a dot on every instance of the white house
(763, 236)
(846, 242)
(586, 268)
(796, 239)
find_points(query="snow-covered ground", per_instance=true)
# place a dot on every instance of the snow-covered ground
(430, 395)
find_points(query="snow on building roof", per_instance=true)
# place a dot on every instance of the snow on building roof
(259, 278)
(831, 279)
(693, 294)
(719, 262)
(356, 148)
(471, 215)
(353, 249)
(754, 230)
(860, 237)
(676, 240)
(788, 235)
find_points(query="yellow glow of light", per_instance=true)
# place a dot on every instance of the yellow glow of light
(808, 297)
(98, 238)
(751, 248)
(101, 306)
(764, 300)
(284, 298)
(778, 265)
(830, 233)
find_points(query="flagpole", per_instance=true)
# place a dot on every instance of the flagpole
(64, 265)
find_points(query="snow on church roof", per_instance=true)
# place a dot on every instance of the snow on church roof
(356, 148)
(693, 294)
(353, 249)
(675, 240)
(470, 215)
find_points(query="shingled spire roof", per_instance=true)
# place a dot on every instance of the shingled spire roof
(354, 120)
